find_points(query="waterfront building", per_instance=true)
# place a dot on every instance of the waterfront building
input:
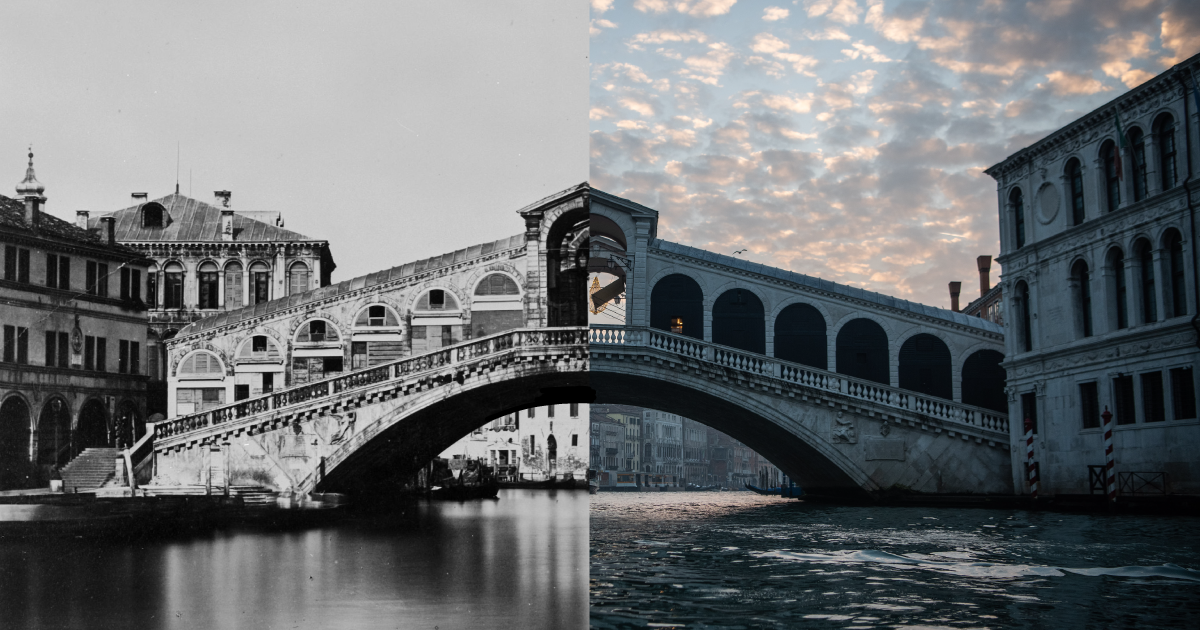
(665, 436)
(537, 444)
(630, 418)
(207, 259)
(72, 371)
(608, 435)
(694, 447)
(1098, 234)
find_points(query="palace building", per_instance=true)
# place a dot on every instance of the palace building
(1098, 238)
(208, 259)
(72, 372)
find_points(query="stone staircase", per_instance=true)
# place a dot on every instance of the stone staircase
(89, 470)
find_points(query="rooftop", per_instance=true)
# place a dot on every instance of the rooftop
(189, 220)
(12, 219)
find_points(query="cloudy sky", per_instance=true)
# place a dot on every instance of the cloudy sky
(847, 138)
(395, 130)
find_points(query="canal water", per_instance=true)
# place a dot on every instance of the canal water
(740, 560)
(517, 562)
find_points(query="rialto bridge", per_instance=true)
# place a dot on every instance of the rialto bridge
(843, 389)
(366, 380)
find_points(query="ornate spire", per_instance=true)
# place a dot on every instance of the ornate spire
(30, 186)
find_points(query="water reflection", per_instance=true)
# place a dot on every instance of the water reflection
(520, 562)
(738, 560)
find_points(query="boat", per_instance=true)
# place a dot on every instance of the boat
(465, 492)
(787, 492)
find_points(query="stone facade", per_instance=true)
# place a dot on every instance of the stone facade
(1098, 249)
(208, 259)
(72, 371)
(536, 444)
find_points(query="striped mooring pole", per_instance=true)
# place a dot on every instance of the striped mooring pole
(1030, 464)
(1110, 471)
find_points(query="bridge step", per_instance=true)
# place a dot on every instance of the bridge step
(90, 470)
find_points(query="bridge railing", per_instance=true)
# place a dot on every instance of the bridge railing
(403, 368)
(931, 406)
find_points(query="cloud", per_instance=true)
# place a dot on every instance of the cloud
(694, 8)
(711, 65)
(768, 44)
(668, 36)
(1065, 84)
(596, 26)
(830, 33)
(774, 14)
(636, 105)
(866, 51)
(600, 6)
(1180, 31)
(842, 11)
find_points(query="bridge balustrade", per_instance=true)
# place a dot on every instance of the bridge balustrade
(396, 370)
(691, 348)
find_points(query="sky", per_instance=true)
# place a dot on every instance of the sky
(394, 130)
(846, 139)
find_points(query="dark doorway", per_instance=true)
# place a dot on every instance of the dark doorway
(738, 321)
(92, 430)
(566, 270)
(552, 453)
(677, 305)
(924, 366)
(983, 381)
(15, 471)
(862, 351)
(129, 425)
(800, 336)
(54, 435)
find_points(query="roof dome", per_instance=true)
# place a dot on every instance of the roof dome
(30, 186)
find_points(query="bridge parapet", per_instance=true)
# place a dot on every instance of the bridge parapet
(448, 364)
(985, 422)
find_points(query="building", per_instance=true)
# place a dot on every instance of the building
(694, 448)
(630, 418)
(664, 433)
(990, 303)
(537, 444)
(72, 372)
(608, 445)
(1098, 236)
(207, 259)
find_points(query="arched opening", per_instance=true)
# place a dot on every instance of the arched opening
(567, 254)
(1147, 290)
(983, 381)
(1016, 202)
(297, 278)
(1137, 141)
(209, 285)
(800, 336)
(260, 282)
(1118, 307)
(496, 306)
(317, 352)
(552, 453)
(233, 285)
(1112, 175)
(677, 305)
(173, 285)
(15, 471)
(738, 321)
(924, 366)
(436, 321)
(54, 435)
(862, 351)
(1074, 174)
(153, 215)
(1081, 281)
(92, 428)
(1164, 133)
(1173, 243)
(1025, 332)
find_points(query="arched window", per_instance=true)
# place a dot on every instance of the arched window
(497, 284)
(317, 331)
(260, 283)
(1149, 292)
(800, 336)
(1173, 243)
(233, 285)
(14, 443)
(375, 316)
(173, 285)
(92, 429)
(983, 381)
(1083, 298)
(862, 351)
(260, 348)
(924, 366)
(1137, 142)
(1026, 332)
(54, 434)
(437, 300)
(1112, 181)
(297, 278)
(677, 305)
(1120, 293)
(1075, 186)
(1016, 200)
(209, 285)
(201, 364)
(152, 286)
(738, 321)
(153, 215)
(1164, 129)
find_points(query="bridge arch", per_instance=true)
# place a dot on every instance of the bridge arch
(863, 349)
(678, 296)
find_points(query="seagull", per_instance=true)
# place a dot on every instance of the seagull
(738, 252)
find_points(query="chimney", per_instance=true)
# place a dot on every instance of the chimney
(81, 219)
(32, 210)
(108, 228)
(985, 280)
(140, 198)
(222, 198)
(955, 288)
(226, 225)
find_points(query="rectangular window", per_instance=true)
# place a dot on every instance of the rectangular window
(22, 345)
(23, 266)
(101, 354)
(316, 330)
(529, 412)
(550, 411)
(437, 299)
(122, 357)
(208, 290)
(1123, 400)
(51, 347)
(101, 278)
(1152, 397)
(1089, 403)
(358, 355)
(332, 364)
(173, 289)
(268, 382)
(261, 281)
(1183, 393)
(376, 316)
(574, 440)
(152, 289)
(10, 263)
(10, 344)
(1029, 410)
(131, 284)
(52, 271)
(574, 410)
(241, 392)
(89, 352)
(125, 282)
(258, 343)
(89, 282)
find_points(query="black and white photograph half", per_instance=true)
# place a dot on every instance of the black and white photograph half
(293, 313)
